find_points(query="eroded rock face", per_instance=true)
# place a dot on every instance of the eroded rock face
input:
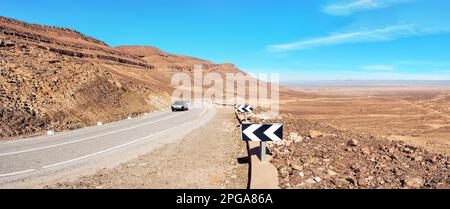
(44, 91)
(65, 42)
(348, 159)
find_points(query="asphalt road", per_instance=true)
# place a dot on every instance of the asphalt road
(35, 162)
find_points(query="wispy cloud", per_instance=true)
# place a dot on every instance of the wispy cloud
(443, 71)
(375, 35)
(348, 7)
(425, 63)
(380, 67)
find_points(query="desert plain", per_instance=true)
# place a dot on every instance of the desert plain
(414, 113)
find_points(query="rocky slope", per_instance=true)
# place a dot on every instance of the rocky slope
(316, 155)
(54, 78)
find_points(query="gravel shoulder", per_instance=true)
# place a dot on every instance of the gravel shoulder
(205, 158)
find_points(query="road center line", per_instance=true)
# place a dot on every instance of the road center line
(114, 148)
(98, 153)
(84, 139)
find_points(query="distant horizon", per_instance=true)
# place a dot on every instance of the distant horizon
(366, 83)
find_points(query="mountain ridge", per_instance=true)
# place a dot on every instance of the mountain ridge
(54, 78)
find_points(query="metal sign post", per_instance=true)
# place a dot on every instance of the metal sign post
(263, 133)
(262, 156)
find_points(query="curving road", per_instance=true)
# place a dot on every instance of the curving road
(35, 162)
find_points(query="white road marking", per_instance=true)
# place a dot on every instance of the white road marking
(84, 139)
(16, 173)
(113, 148)
(203, 112)
(97, 153)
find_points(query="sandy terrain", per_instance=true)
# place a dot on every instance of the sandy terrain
(206, 158)
(415, 114)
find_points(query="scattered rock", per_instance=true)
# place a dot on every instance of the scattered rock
(431, 158)
(351, 180)
(301, 174)
(331, 172)
(394, 157)
(315, 134)
(293, 136)
(297, 167)
(310, 181)
(413, 183)
(408, 150)
(368, 162)
(353, 142)
(142, 164)
(418, 158)
(283, 172)
(356, 168)
(362, 182)
(365, 151)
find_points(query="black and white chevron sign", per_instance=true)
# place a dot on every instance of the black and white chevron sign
(244, 108)
(262, 132)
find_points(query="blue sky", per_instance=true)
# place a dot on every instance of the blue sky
(300, 39)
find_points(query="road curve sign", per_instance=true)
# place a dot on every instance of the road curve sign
(262, 132)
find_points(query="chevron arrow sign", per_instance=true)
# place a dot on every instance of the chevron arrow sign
(262, 132)
(244, 108)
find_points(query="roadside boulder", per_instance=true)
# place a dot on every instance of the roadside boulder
(365, 150)
(412, 183)
(418, 158)
(353, 143)
(293, 136)
(315, 134)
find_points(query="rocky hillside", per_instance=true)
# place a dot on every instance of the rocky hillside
(176, 63)
(54, 78)
(316, 155)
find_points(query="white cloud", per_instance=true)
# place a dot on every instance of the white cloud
(443, 71)
(351, 6)
(375, 35)
(380, 67)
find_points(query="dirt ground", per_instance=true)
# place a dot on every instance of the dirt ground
(419, 115)
(206, 158)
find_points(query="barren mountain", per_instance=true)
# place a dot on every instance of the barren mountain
(54, 78)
